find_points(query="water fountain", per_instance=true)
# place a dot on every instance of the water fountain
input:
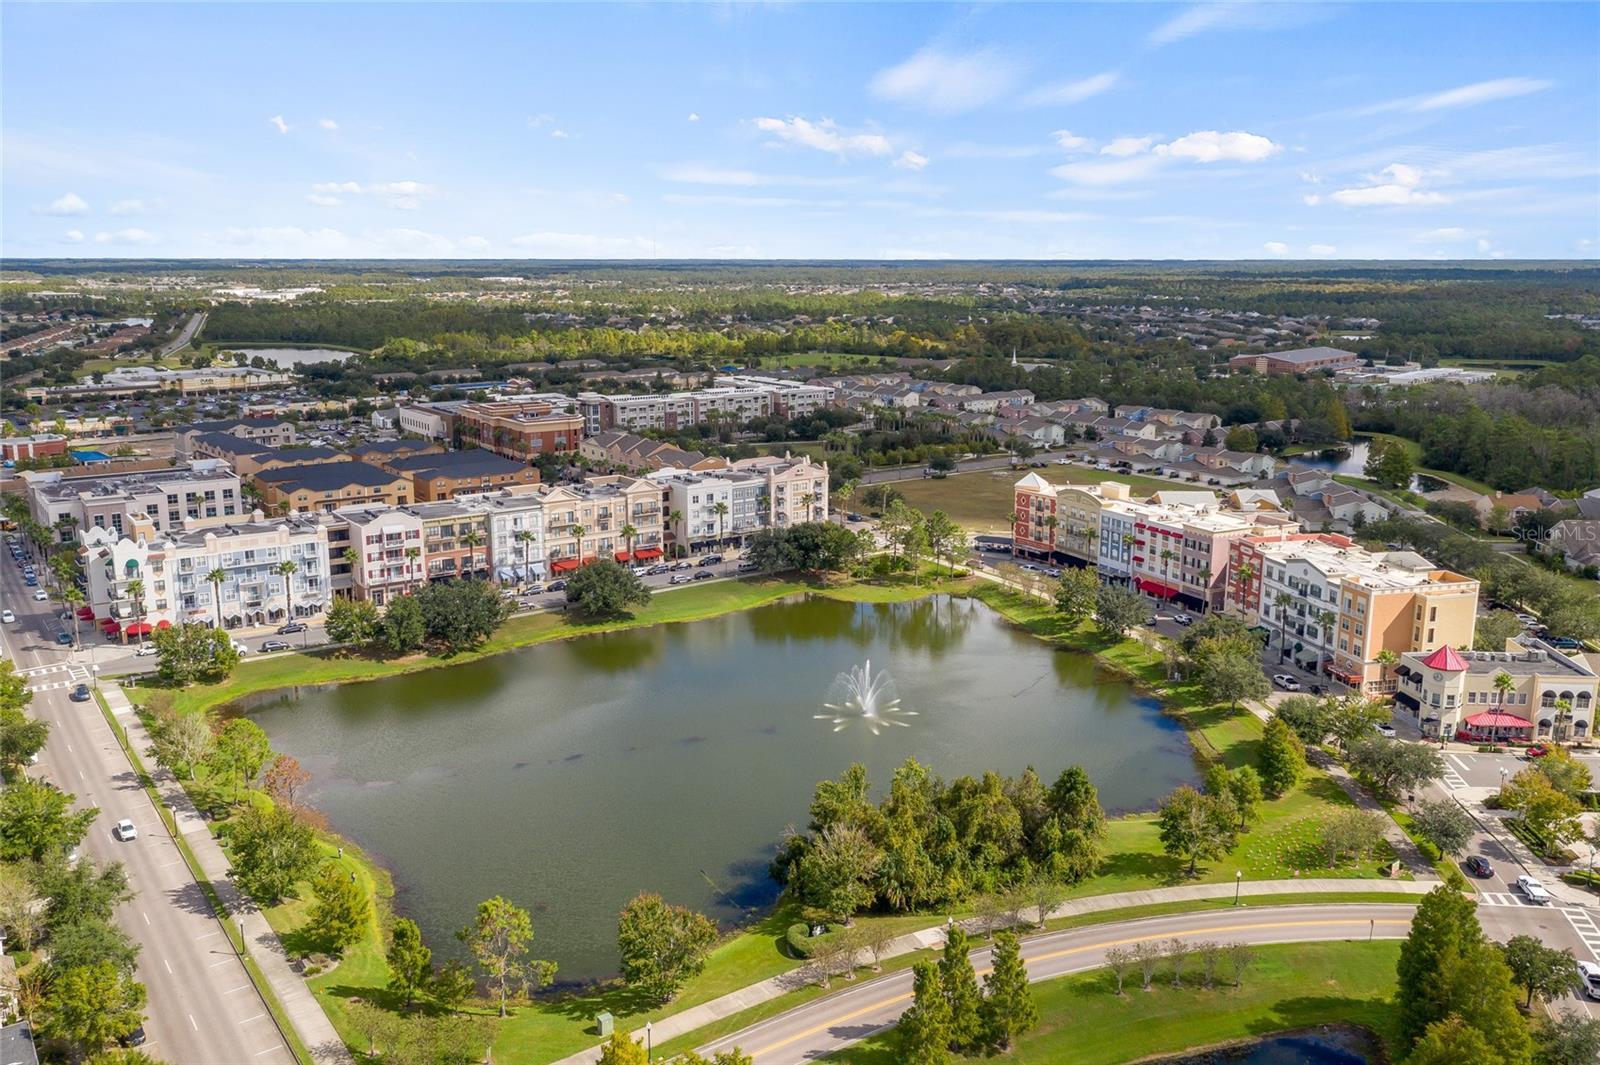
(867, 698)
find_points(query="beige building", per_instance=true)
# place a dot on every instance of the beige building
(1528, 691)
(585, 522)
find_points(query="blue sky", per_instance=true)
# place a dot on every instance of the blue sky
(1235, 130)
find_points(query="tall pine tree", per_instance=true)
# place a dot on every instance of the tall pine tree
(1446, 923)
(1008, 1009)
(925, 1027)
(961, 991)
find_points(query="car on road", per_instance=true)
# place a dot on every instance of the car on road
(1286, 682)
(241, 648)
(1589, 978)
(1051, 571)
(80, 694)
(31, 582)
(1384, 729)
(291, 627)
(746, 566)
(40, 595)
(64, 639)
(1538, 750)
(709, 560)
(658, 569)
(641, 571)
(146, 650)
(1183, 619)
(268, 646)
(1565, 643)
(704, 575)
(125, 832)
(853, 516)
(557, 586)
(135, 1038)
(1479, 866)
(1533, 890)
(1527, 619)
(680, 578)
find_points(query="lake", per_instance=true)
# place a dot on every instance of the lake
(1352, 461)
(571, 775)
(294, 356)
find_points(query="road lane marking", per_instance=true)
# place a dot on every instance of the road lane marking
(146, 917)
(208, 935)
(223, 961)
(231, 990)
(1587, 930)
(257, 1017)
(196, 1027)
(269, 1050)
(169, 967)
(906, 996)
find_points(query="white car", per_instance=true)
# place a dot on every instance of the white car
(1535, 891)
(40, 595)
(125, 831)
(146, 650)
(1286, 682)
(1589, 977)
(1527, 619)
(7, 616)
(241, 648)
(1384, 729)
(680, 578)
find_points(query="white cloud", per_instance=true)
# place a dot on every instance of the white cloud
(947, 82)
(279, 124)
(540, 120)
(474, 244)
(1209, 146)
(1311, 199)
(1191, 21)
(323, 201)
(699, 174)
(125, 236)
(583, 245)
(1124, 146)
(287, 241)
(1396, 185)
(1069, 141)
(1481, 92)
(1275, 247)
(327, 123)
(694, 117)
(73, 236)
(560, 134)
(333, 188)
(1234, 15)
(136, 207)
(910, 160)
(1112, 171)
(1443, 233)
(1322, 249)
(67, 204)
(402, 195)
(1071, 92)
(824, 136)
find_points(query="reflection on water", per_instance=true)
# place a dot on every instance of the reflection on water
(570, 776)
(1336, 1046)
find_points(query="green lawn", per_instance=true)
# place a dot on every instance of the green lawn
(983, 501)
(1291, 986)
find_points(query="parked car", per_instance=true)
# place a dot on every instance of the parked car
(241, 648)
(1183, 619)
(680, 578)
(135, 1038)
(853, 516)
(704, 575)
(275, 645)
(658, 569)
(1565, 643)
(1286, 682)
(80, 694)
(1479, 866)
(535, 589)
(291, 627)
(683, 563)
(557, 586)
(1384, 729)
(31, 581)
(1589, 978)
(146, 650)
(1527, 619)
(1538, 750)
(125, 832)
(709, 560)
(745, 566)
(64, 639)
(40, 595)
(1051, 571)
(1533, 890)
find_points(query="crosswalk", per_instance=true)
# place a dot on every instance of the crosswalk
(1502, 898)
(1583, 924)
(75, 675)
(1452, 779)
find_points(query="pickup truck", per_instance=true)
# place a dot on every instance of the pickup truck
(1535, 891)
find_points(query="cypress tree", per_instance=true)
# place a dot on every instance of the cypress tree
(925, 1027)
(1446, 924)
(1282, 759)
(1008, 1008)
(961, 991)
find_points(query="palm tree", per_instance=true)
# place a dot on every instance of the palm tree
(1282, 601)
(846, 492)
(1050, 523)
(1563, 719)
(471, 541)
(1167, 555)
(136, 593)
(1089, 535)
(675, 519)
(72, 596)
(1386, 660)
(720, 509)
(809, 501)
(577, 531)
(525, 538)
(287, 569)
(412, 554)
(628, 534)
(1503, 686)
(216, 577)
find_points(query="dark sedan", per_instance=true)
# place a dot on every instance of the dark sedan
(1479, 866)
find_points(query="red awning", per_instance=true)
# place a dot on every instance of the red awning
(138, 628)
(1491, 719)
(647, 552)
(563, 565)
(622, 556)
(1165, 591)
(163, 624)
(109, 625)
(86, 613)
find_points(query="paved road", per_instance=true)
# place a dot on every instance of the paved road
(184, 336)
(829, 1024)
(203, 1010)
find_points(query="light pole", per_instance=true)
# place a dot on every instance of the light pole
(649, 1040)
(1238, 883)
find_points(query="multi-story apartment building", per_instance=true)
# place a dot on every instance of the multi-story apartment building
(793, 489)
(384, 552)
(1334, 607)
(789, 399)
(584, 522)
(1062, 522)
(706, 509)
(268, 432)
(516, 524)
(229, 572)
(204, 490)
(455, 540)
(1181, 551)
(517, 429)
(1530, 690)
(448, 474)
(329, 486)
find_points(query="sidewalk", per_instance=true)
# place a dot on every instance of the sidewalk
(299, 1004)
(932, 938)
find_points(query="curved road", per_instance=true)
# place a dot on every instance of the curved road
(829, 1024)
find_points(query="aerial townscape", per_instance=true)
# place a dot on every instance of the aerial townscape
(884, 534)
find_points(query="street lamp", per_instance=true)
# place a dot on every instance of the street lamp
(649, 1040)
(1238, 883)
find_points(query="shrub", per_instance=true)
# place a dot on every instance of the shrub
(802, 944)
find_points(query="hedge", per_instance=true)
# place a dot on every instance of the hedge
(802, 944)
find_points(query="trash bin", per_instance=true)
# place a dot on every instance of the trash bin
(604, 1022)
